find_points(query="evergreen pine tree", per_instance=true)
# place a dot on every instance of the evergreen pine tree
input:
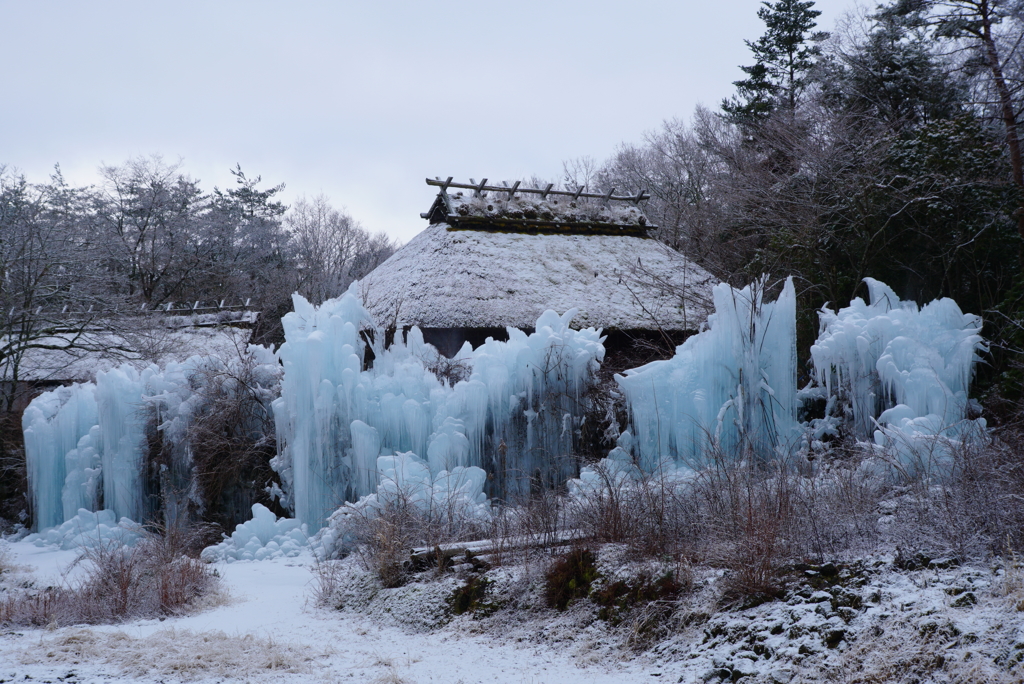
(784, 57)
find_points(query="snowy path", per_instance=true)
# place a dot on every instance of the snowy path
(269, 607)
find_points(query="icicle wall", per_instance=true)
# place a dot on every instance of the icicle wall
(893, 370)
(59, 436)
(86, 445)
(730, 389)
(516, 414)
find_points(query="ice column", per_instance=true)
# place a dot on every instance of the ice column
(320, 397)
(123, 415)
(516, 415)
(55, 424)
(730, 389)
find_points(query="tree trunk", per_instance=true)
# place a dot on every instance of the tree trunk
(1005, 110)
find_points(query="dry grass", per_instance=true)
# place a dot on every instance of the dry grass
(152, 578)
(902, 654)
(181, 654)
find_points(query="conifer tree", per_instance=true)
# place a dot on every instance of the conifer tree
(784, 57)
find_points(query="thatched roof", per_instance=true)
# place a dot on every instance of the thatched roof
(446, 278)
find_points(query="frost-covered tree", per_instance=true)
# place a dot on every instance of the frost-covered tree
(52, 292)
(331, 249)
(252, 258)
(150, 214)
(678, 172)
(894, 77)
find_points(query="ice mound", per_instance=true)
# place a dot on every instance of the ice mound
(898, 374)
(407, 485)
(406, 480)
(730, 389)
(88, 530)
(262, 538)
(892, 352)
(618, 472)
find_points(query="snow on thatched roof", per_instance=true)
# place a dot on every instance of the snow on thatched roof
(445, 278)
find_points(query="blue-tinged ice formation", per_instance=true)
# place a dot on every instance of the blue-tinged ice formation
(122, 419)
(898, 374)
(452, 497)
(61, 449)
(86, 445)
(89, 529)
(729, 390)
(263, 537)
(516, 415)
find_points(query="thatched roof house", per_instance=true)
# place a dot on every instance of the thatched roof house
(500, 256)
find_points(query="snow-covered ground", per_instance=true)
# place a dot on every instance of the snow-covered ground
(268, 629)
(870, 621)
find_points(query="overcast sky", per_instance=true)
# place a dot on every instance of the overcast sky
(358, 100)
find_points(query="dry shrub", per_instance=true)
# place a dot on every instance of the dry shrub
(969, 507)
(386, 546)
(327, 576)
(231, 440)
(6, 564)
(384, 534)
(519, 529)
(737, 515)
(836, 509)
(654, 515)
(748, 519)
(154, 577)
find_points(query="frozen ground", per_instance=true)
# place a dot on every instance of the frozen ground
(865, 622)
(267, 629)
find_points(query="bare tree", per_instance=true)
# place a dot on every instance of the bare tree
(331, 248)
(679, 174)
(150, 213)
(51, 290)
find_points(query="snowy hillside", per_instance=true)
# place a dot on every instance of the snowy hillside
(863, 622)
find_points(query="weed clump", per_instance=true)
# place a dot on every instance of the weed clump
(471, 597)
(621, 596)
(570, 578)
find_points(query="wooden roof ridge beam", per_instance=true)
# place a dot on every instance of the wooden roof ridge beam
(482, 187)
